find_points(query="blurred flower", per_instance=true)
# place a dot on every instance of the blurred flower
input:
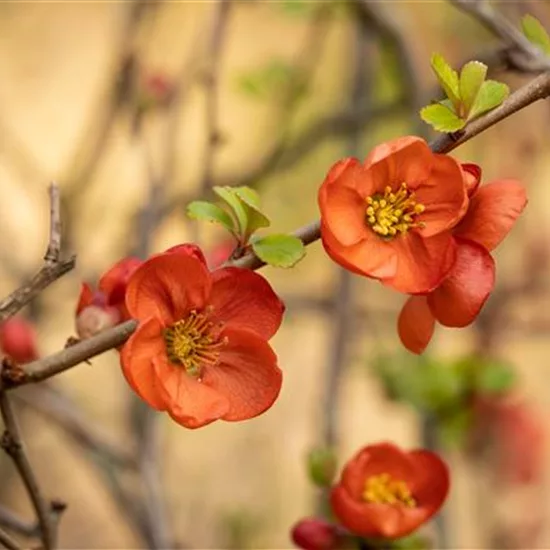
(105, 307)
(316, 534)
(220, 253)
(516, 434)
(200, 351)
(457, 301)
(157, 89)
(18, 340)
(385, 492)
(390, 218)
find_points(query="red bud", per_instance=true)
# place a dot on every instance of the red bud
(18, 340)
(315, 534)
(94, 319)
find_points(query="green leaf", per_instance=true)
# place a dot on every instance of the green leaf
(454, 427)
(448, 78)
(251, 202)
(228, 195)
(491, 95)
(472, 77)
(441, 118)
(495, 378)
(536, 33)
(279, 250)
(207, 211)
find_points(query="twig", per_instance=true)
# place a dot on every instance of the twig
(211, 78)
(522, 53)
(13, 445)
(53, 267)
(8, 542)
(56, 406)
(10, 521)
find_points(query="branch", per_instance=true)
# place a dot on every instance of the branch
(53, 267)
(13, 445)
(537, 89)
(522, 53)
(10, 521)
(8, 542)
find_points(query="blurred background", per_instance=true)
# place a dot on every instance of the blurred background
(136, 108)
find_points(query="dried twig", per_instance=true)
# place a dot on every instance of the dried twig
(13, 445)
(54, 267)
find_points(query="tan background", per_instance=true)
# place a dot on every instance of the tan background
(56, 65)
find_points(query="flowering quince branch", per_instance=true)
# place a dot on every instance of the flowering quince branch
(538, 88)
(54, 266)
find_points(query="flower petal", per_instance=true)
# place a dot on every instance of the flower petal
(246, 375)
(189, 249)
(136, 359)
(372, 257)
(416, 324)
(190, 402)
(492, 212)
(113, 282)
(344, 214)
(444, 196)
(459, 299)
(405, 159)
(245, 300)
(431, 481)
(333, 176)
(168, 286)
(472, 175)
(86, 297)
(421, 263)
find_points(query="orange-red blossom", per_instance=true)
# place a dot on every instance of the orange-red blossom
(385, 492)
(391, 217)
(493, 209)
(201, 349)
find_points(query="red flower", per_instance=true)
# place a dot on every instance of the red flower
(316, 534)
(385, 492)
(18, 340)
(457, 301)
(105, 307)
(221, 253)
(390, 218)
(200, 351)
(517, 434)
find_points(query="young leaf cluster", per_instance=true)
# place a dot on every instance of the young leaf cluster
(239, 212)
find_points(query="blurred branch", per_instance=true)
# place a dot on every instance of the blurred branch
(12, 443)
(10, 521)
(8, 542)
(57, 407)
(522, 54)
(53, 268)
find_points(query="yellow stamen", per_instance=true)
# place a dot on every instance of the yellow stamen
(192, 343)
(393, 212)
(384, 489)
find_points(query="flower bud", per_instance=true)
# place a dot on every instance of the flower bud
(18, 340)
(94, 319)
(322, 466)
(315, 534)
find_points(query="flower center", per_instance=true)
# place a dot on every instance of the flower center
(384, 489)
(192, 342)
(393, 213)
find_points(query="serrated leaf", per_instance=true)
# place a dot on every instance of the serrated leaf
(228, 195)
(490, 95)
(472, 77)
(441, 118)
(207, 211)
(536, 33)
(279, 250)
(495, 378)
(248, 195)
(447, 77)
